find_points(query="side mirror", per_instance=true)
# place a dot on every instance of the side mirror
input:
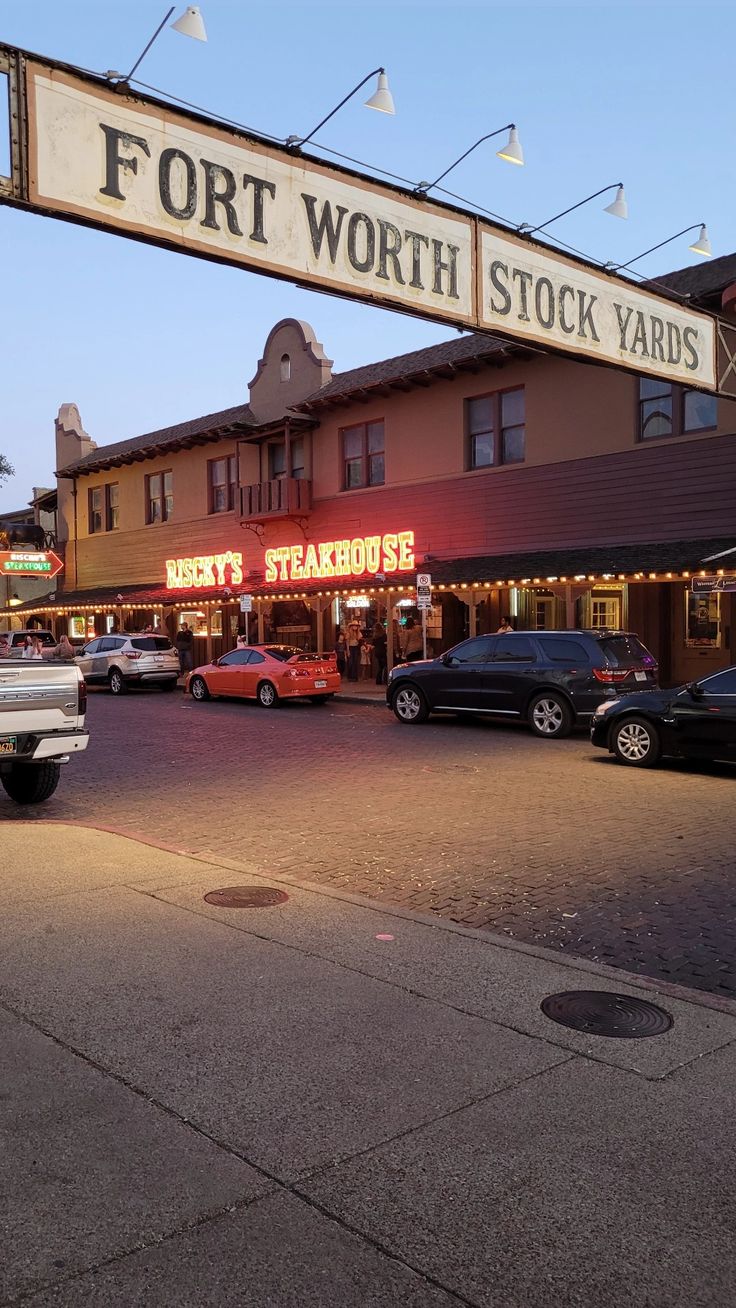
(449, 660)
(696, 690)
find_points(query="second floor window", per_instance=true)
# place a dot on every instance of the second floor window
(96, 501)
(666, 409)
(363, 450)
(103, 508)
(496, 428)
(159, 497)
(277, 460)
(112, 506)
(223, 483)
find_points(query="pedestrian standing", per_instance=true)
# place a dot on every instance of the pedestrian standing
(412, 642)
(366, 660)
(184, 642)
(341, 653)
(379, 650)
(506, 624)
(353, 637)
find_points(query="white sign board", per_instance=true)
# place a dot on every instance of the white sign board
(533, 295)
(246, 603)
(424, 590)
(147, 169)
(123, 162)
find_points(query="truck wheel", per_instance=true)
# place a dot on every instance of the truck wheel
(32, 783)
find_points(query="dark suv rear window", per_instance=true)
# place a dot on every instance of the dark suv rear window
(152, 642)
(626, 652)
(563, 651)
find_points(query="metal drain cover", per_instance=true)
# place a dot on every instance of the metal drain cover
(597, 1012)
(246, 897)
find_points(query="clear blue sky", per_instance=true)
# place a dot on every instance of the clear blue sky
(638, 91)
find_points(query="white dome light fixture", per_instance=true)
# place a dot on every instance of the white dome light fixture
(511, 152)
(191, 24)
(701, 245)
(618, 207)
(381, 99)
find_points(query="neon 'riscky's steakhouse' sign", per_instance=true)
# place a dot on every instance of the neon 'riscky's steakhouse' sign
(133, 165)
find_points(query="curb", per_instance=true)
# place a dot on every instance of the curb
(615, 976)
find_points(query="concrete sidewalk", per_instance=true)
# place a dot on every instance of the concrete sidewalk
(329, 1103)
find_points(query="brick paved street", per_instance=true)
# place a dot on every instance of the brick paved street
(551, 843)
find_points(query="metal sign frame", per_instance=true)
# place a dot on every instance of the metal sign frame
(493, 295)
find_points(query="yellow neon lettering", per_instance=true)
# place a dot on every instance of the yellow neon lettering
(311, 567)
(297, 558)
(357, 556)
(373, 553)
(271, 569)
(390, 557)
(236, 569)
(283, 557)
(326, 566)
(342, 558)
(406, 550)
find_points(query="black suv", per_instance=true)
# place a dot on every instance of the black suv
(550, 679)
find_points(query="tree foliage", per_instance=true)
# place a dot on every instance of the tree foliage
(6, 469)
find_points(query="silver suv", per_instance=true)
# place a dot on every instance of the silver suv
(123, 660)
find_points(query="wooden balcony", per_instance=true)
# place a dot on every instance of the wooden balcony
(286, 497)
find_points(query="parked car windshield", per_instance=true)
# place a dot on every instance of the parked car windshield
(626, 651)
(151, 642)
(282, 652)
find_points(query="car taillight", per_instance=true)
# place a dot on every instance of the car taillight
(298, 672)
(81, 697)
(132, 654)
(610, 676)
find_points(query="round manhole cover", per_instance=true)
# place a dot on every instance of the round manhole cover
(597, 1012)
(246, 897)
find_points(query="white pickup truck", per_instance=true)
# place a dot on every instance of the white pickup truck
(42, 707)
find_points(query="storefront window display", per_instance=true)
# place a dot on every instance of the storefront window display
(196, 620)
(703, 621)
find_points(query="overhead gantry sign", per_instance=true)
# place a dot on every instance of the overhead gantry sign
(130, 164)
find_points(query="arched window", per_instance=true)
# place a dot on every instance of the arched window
(285, 367)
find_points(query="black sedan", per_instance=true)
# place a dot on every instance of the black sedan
(695, 721)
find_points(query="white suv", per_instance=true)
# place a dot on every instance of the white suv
(122, 660)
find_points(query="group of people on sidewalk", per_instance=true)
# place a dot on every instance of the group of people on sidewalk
(361, 652)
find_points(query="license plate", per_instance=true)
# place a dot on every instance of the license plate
(320, 685)
(640, 676)
(158, 658)
(8, 744)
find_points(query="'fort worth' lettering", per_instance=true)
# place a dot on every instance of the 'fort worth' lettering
(218, 200)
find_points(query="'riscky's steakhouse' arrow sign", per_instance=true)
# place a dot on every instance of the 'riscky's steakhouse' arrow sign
(30, 563)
